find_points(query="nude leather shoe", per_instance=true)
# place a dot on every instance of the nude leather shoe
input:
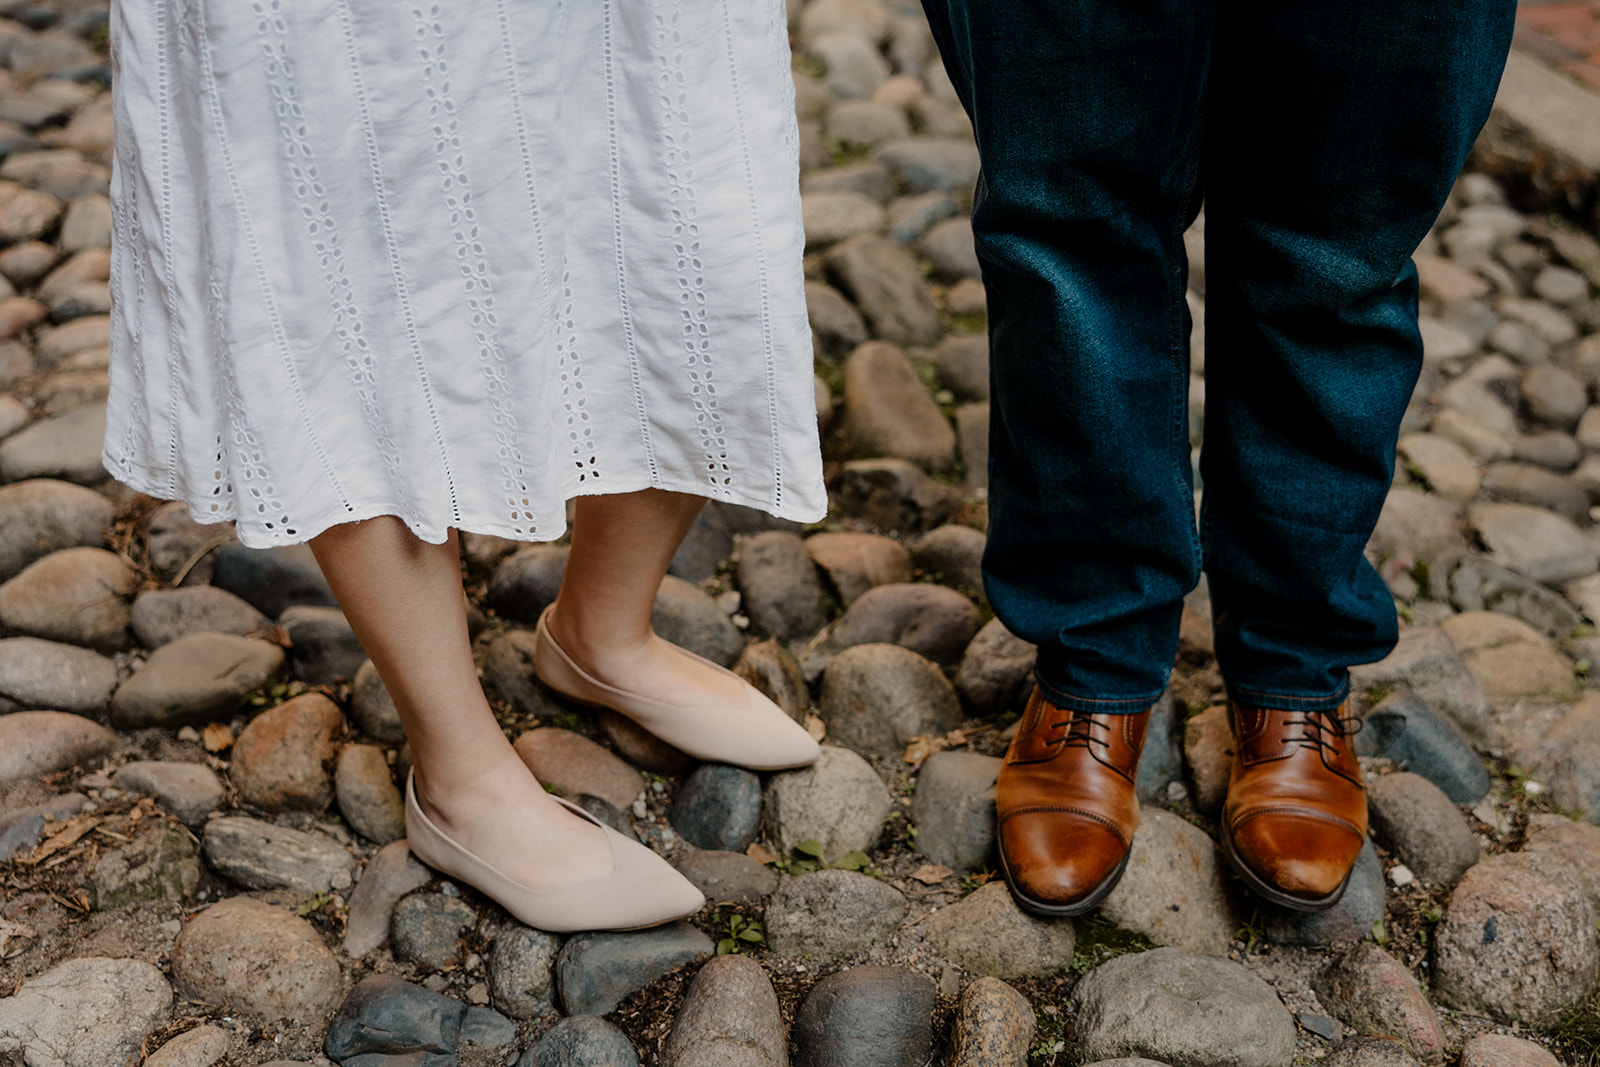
(756, 733)
(1066, 807)
(642, 889)
(1296, 813)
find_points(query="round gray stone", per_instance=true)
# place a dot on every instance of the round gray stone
(1524, 483)
(1517, 942)
(75, 595)
(581, 1041)
(257, 958)
(1415, 820)
(1553, 395)
(718, 807)
(854, 66)
(1534, 542)
(779, 587)
(887, 285)
(930, 163)
(838, 802)
(33, 743)
(84, 1012)
(190, 791)
(963, 362)
(1365, 902)
(930, 620)
(195, 679)
(889, 412)
(870, 1016)
(44, 516)
(690, 619)
(1174, 891)
(953, 809)
(1182, 1010)
(996, 670)
(324, 650)
(877, 697)
(832, 216)
(263, 855)
(527, 582)
(368, 799)
(65, 447)
(385, 1015)
(427, 928)
(729, 1018)
(1566, 759)
(987, 934)
(161, 616)
(521, 980)
(47, 675)
(727, 876)
(911, 216)
(948, 248)
(373, 709)
(834, 320)
(271, 578)
(595, 971)
(831, 913)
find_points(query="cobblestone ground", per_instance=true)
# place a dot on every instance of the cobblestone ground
(1570, 35)
(201, 840)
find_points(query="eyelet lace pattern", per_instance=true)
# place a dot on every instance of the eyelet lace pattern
(456, 263)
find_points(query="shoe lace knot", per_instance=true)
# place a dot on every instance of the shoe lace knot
(1081, 732)
(1319, 730)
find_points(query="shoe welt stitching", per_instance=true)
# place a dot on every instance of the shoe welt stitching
(1064, 809)
(1290, 809)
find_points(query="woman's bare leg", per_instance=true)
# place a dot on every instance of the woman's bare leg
(621, 546)
(403, 599)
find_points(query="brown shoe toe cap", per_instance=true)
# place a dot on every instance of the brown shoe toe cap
(1059, 859)
(1305, 856)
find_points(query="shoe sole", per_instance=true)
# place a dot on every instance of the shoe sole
(1262, 888)
(1064, 911)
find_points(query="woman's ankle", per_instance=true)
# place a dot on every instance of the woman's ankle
(597, 649)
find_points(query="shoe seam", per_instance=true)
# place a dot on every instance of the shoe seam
(1058, 809)
(1291, 809)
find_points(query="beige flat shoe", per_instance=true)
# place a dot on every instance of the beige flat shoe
(642, 889)
(755, 733)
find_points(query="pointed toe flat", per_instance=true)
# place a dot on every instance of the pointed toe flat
(640, 890)
(752, 732)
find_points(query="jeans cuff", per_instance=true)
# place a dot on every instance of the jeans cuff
(1097, 705)
(1247, 697)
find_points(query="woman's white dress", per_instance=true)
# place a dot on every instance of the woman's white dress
(456, 262)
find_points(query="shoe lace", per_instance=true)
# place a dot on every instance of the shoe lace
(1081, 732)
(1319, 730)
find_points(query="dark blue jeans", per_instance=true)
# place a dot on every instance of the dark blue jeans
(1324, 137)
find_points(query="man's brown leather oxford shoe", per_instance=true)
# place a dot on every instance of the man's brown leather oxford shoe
(1296, 813)
(1066, 807)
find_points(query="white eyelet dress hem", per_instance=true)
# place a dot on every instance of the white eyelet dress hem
(456, 263)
